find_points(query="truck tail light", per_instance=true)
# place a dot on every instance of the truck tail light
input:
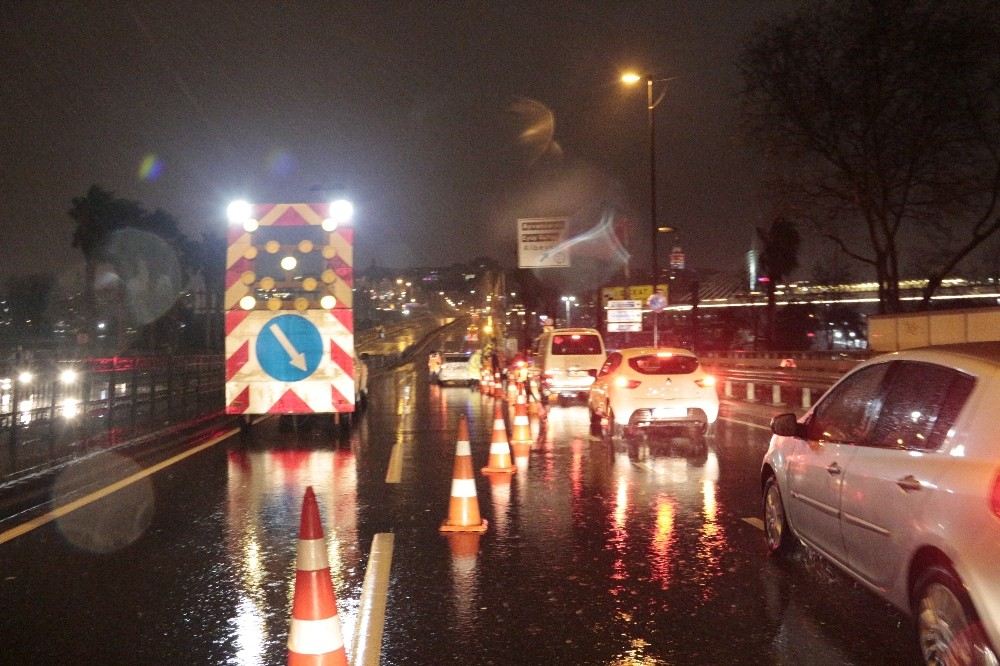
(625, 382)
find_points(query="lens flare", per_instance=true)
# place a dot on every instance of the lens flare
(150, 168)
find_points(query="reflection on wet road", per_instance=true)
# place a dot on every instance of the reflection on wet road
(597, 552)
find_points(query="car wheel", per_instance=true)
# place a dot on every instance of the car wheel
(948, 629)
(780, 539)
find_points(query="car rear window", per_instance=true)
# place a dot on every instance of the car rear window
(576, 344)
(653, 364)
(456, 358)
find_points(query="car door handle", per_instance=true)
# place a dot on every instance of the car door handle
(910, 482)
(833, 469)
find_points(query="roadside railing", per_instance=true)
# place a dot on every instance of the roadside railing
(64, 410)
(779, 388)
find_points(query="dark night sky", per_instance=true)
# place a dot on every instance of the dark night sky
(407, 105)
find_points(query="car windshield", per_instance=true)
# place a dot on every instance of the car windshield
(564, 345)
(658, 364)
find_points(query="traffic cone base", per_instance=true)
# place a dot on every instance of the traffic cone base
(479, 529)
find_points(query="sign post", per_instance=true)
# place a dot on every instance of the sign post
(656, 303)
(624, 316)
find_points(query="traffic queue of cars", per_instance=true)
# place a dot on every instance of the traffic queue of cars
(893, 475)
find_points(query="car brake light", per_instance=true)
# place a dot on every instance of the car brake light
(707, 380)
(625, 382)
(995, 496)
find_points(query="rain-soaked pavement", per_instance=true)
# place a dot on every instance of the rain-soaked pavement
(597, 552)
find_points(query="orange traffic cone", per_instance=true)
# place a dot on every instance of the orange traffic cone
(314, 638)
(499, 461)
(497, 385)
(521, 432)
(463, 508)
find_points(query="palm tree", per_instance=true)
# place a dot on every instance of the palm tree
(97, 214)
(779, 256)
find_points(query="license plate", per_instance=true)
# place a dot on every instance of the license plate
(669, 412)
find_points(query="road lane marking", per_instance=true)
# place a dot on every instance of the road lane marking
(395, 471)
(756, 522)
(746, 423)
(371, 611)
(101, 493)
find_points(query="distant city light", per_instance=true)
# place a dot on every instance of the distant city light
(25, 377)
(71, 408)
(68, 376)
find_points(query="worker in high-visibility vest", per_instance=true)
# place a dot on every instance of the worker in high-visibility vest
(434, 365)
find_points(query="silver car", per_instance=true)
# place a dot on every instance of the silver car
(894, 476)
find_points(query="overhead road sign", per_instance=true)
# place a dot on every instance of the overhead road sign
(625, 316)
(539, 240)
(624, 327)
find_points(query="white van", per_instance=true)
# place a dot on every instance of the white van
(567, 360)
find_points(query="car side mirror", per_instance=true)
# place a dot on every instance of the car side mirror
(786, 425)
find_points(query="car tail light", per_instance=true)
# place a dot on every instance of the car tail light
(707, 380)
(625, 382)
(995, 496)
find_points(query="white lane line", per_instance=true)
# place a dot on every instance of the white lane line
(745, 423)
(101, 493)
(756, 522)
(371, 611)
(395, 470)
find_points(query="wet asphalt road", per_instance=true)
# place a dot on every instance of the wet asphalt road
(598, 552)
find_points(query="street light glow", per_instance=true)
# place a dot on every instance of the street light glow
(630, 78)
(68, 376)
(341, 212)
(239, 211)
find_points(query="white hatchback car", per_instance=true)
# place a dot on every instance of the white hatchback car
(456, 369)
(894, 476)
(647, 387)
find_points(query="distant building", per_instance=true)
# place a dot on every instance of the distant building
(677, 258)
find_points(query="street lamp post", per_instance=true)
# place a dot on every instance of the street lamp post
(568, 300)
(631, 78)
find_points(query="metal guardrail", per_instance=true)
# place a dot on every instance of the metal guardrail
(64, 410)
(792, 388)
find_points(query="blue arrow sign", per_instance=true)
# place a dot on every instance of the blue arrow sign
(289, 348)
